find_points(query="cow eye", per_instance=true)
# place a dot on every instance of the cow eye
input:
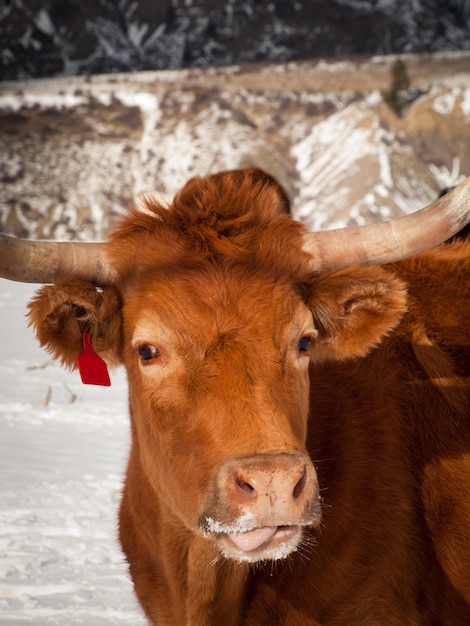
(148, 352)
(305, 343)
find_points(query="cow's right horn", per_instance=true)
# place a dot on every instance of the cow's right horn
(391, 241)
(47, 261)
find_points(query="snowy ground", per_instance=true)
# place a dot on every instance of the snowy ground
(63, 449)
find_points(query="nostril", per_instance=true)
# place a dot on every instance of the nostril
(244, 486)
(300, 484)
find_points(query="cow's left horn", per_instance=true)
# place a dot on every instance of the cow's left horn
(47, 261)
(394, 240)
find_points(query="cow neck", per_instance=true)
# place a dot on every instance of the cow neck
(216, 586)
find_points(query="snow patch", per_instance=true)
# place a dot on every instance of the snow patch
(63, 449)
(447, 178)
(44, 22)
(444, 104)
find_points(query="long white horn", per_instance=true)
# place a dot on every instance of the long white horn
(394, 240)
(46, 261)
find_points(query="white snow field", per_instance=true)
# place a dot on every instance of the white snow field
(63, 449)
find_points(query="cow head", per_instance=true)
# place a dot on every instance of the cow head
(214, 307)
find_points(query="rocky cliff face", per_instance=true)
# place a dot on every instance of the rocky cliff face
(76, 152)
(58, 37)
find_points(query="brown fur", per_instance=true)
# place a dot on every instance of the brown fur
(221, 289)
(63, 312)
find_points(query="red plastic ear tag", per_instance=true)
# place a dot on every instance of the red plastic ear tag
(92, 368)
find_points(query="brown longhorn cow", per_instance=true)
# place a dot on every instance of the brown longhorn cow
(299, 402)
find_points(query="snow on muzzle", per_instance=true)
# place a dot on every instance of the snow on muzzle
(258, 506)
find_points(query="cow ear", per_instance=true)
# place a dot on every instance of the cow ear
(353, 310)
(61, 313)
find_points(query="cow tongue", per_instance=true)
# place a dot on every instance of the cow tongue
(252, 539)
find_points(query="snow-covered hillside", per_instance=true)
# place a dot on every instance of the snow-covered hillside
(75, 152)
(63, 449)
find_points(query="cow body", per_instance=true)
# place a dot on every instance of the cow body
(300, 443)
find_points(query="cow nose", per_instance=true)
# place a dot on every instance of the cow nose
(262, 499)
(275, 487)
(286, 484)
(258, 505)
